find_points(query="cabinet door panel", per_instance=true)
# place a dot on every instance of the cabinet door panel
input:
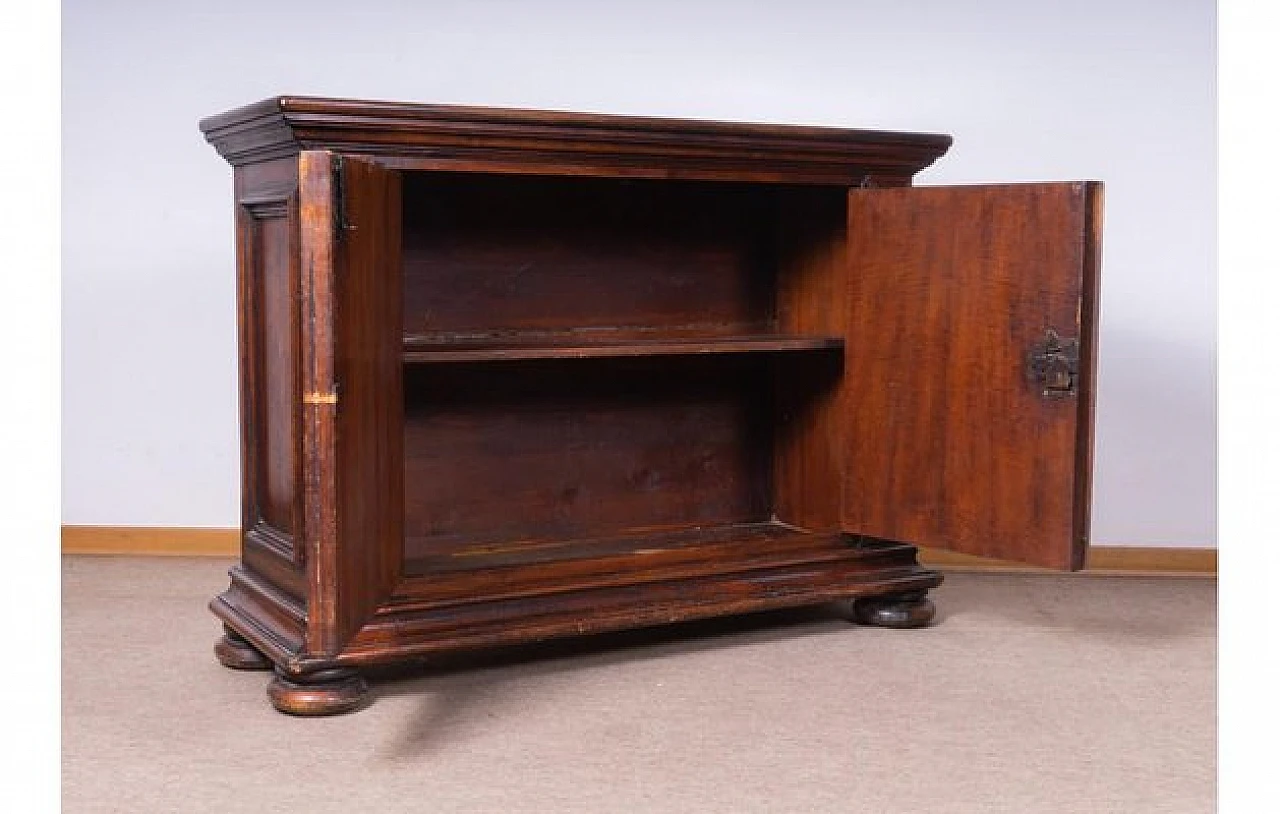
(352, 403)
(967, 429)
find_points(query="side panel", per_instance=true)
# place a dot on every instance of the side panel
(809, 389)
(953, 442)
(352, 399)
(267, 233)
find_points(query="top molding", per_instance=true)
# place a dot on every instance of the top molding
(447, 137)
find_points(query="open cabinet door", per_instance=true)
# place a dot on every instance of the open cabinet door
(351, 390)
(970, 362)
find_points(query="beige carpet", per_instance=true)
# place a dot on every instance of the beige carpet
(1031, 694)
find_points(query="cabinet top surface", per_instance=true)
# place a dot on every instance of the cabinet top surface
(447, 137)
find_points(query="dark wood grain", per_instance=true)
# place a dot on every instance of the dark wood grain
(810, 392)
(577, 346)
(275, 274)
(351, 251)
(472, 570)
(1087, 321)
(500, 255)
(267, 227)
(445, 137)
(511, 375)
(809, 421)
(395, 635)
(269, 325)
(318, 191)
(951, 446)
(370, 423)
(550, 450)
(272, 620)
(468, 553)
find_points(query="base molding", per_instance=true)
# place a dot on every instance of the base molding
(225, 542)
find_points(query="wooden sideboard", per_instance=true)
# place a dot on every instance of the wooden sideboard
(509, 375)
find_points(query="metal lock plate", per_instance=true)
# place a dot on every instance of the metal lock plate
(1053, 365)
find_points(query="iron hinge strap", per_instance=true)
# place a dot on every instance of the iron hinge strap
(340, 225)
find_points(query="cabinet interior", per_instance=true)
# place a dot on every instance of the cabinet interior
(604, 369)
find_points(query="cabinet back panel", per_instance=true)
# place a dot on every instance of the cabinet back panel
(498, 254)
(535, 452)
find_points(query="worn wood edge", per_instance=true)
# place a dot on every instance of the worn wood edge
(415, 634)
(515, 138)
(225, 542)
(270, 620)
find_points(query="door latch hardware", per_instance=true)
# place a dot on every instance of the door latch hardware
(1054, 365)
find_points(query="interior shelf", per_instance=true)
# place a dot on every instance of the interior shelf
(437, 556)
(447, 571)
(430, 349)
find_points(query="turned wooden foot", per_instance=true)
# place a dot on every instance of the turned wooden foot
(327, 692)
(906, 610)
(234, 652)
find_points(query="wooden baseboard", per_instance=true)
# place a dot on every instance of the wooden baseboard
(151, 541)
(224, 542)
(1103, 560)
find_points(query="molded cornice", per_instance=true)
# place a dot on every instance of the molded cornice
(534, 141)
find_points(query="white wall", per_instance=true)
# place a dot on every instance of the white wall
(1119, 90)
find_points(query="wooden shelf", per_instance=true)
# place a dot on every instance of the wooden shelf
(441, 571)
(420, 350)
(439, 555)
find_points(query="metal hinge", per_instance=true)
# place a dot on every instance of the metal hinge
(340, 225)
(1053, 364)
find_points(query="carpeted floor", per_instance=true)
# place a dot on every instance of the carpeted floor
(1030, 694)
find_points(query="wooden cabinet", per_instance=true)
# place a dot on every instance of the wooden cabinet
(511, 375)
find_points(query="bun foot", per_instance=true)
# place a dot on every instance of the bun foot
(235, 652)
(327, 692)
(895, 610)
